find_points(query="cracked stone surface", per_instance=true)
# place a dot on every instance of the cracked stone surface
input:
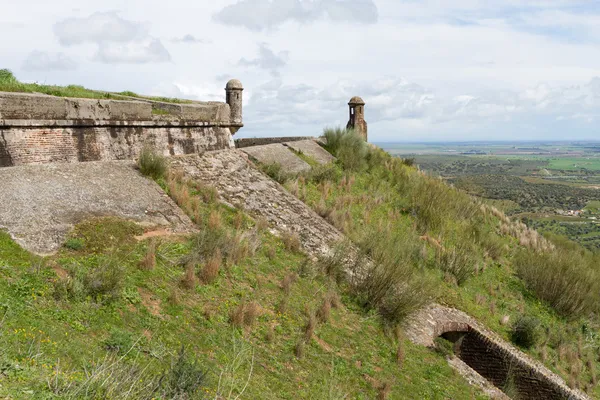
(40, 204)
(240, 184)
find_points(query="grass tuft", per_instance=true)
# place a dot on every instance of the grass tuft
(151, 163)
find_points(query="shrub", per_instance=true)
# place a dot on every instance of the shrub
(210, 271)
(309, 328)
(151, 163)
(384, 276)
(323, 173)
(324, 311)
(349, 147)
(74, 244)
(149, 261)
(188, 281)
(119, 341)
(291, 241)
(526, 332)
(183, 379)
(443, 346)
(276, 172)
(567, 279)
(102, 282)
(458, 260)
(245, 314)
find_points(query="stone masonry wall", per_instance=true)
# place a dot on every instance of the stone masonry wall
(37, 129)
(39, 145)
(507, 372)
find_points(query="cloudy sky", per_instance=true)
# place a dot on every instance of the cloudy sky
(427, 69)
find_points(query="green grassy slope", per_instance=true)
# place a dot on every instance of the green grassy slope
(234, 309)
(509, 271)
(97, 321)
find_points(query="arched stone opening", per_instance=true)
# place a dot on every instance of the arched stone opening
(505, 370)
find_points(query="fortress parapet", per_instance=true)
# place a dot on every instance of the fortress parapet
(36, 129)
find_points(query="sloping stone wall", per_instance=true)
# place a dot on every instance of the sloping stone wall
(249, 142)
(42, 203)
(240, 184)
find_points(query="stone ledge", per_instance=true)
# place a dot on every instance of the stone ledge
(36, 106)
(44, 110)
(157, 122)
(250, 142)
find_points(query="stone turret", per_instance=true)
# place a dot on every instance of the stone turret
(233, 91)
(357, 117)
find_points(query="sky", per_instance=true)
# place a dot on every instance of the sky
(428, 70)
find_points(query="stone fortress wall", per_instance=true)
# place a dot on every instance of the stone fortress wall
(39, 129)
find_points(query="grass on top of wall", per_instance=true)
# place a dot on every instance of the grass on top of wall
(9, 83)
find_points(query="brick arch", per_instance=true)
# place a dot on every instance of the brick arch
(443, 327)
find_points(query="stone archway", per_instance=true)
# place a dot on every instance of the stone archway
(485, 355)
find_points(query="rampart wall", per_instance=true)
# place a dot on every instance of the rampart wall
(36, 129)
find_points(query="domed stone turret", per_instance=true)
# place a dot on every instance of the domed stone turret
(356, 101)
(234, 84)
(233, 91)
(357, 117)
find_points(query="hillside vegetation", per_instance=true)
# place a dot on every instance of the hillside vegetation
(233, 311)
(497, 270)
(229, 312)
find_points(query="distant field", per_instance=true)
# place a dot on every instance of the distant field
(572, 164)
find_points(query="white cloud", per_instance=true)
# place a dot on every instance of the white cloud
(190, 39)
(47, 61)
(134, 52)
(99, 27)
(498, 69)
(266, 14)
(118, 40)
(267, 59)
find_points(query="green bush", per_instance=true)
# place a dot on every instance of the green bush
(183, 379)
(74, 244)
(324, 172)
(119, 341)
(567, 279)
(458, 260)
(275, 171)
(382, 275)
(151, 163)
(443, 347)
(7, 77)
(349, 147)
(102, 282)
(526, 332)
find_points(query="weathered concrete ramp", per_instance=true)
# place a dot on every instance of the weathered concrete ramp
(311, 149)
(277, 153)
(243, 186)
(40, 204)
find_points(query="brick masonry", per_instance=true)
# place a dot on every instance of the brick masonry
(38, 129)
(39, 145)
(488, 355)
